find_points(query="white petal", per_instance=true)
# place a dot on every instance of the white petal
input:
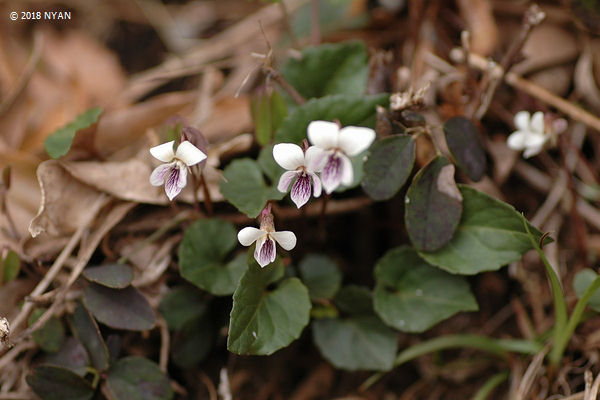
(316, 184)
(347, 171)
(288, 155)
(532, 151)
(163, 152)
(286, 178)
(355, 139)
(315, 158)
(249, 235)
(157, 177)
(331, 176)
(175, 181)
(537, 122)
(323, 134)
(517, 140)
(286, 239)
(521, 120)
(301, 190)
(535, 140)
(264, 253)
(189, 154)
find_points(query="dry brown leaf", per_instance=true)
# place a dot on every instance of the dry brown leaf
(230, 116)
(585, 82)
(480, 24)
(12, 294)
(65, 201)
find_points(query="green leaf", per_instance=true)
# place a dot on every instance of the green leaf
(349, 109)
(11, 267)
(243, 186)
(202, 254)
(412, 296)
(72, 356)
(84, 327)
(583, 279)
(490, 235)
(180, 305)
(357, 343)
(388, 166)
(321, 276)
(57, 383)
(268, 164)
(268, 112)
(334, 15)
(116, 276)
(339, 68)
(263, 320)
(59, 141)
(433, 205)
(354, 300)
(137, 378)
(119, 308)
(192, 343)
(51, 336)
(465, 145)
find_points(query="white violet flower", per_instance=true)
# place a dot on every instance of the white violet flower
(300, 166)
(530, 135)
(173, 174)
(265, 238)
(339, 145)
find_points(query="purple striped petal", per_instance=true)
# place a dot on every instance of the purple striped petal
(331, 176)
(176, 181)
(264, 254)
(157, 177)
(286, 178)
(301, 190)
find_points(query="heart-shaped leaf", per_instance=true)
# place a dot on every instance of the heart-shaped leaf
(116, 276)
(354, 300)
(243, 186)
(57, 383)
(348, 109)
(268, 164)
(72, 355)
(119, 308)
(490, 235)
(192, 343)
(388, 166)
(51, 336)
(583, 279)
(86, 330)
(58, 143)
(180, 305)
(357, 343)
(412, 296)
(321, 276)
(202, 255)
(137, 378)
(465, 145)
(339, 68)
(264, 320)
(433, 205)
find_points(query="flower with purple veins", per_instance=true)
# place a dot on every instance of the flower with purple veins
(265, 238)
(339, 145)
(173, 173)
(300, 166)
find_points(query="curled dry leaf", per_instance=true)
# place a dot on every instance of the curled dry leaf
(585, 82)
(445, 183)
(481, 24)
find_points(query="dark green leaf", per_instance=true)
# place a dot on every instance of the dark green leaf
(51, 336)
(388, 166)
(354, 300)
(243, 186)
(268, 164)
(349, 109)
(268, 112)
(262, 320)
(59, 141)
(119, 308)
(583, 279)
(116, 276)
(339, 68)
(12, 266)
(334, 15)
(321, 276)
(137, 378)
(180, 305)
(433, 206)
(490, 235)
(86, 330)
(412, 296)
(202, 255)
(465, 145)
(193, 342)
(358, 343)
(72, 356)
(57, 383)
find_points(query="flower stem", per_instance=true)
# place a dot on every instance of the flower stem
(208, 204)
